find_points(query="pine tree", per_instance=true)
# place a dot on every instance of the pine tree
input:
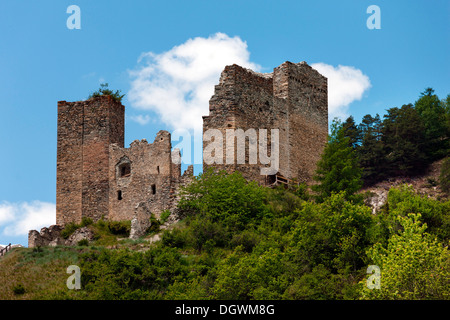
(353, 132)
(338, 168)
(433, 113)
(404, 141)
(371, 154)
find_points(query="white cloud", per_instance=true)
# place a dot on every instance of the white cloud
(6, 213)
(16, 219)
(141, 119)
(345, 85)
(177, 84)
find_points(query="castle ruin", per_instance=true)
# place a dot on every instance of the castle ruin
(97, 177)
(293, 99)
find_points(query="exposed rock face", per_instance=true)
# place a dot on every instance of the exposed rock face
(141, 221)
(377, 199)
(78, 235)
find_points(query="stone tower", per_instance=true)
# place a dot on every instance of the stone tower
(292, 99)
(86, 129)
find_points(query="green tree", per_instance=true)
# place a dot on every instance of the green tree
(250, 276)
(404, 140)
(444, 177)
(371, 154)
(333, 234)
(225, 198)
(338, 168)
(434, 117)
(404, 200)
(414, 265)
(353, 132)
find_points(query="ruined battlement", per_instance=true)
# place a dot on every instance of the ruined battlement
(293, 99)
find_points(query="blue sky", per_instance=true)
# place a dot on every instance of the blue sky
(42, 62)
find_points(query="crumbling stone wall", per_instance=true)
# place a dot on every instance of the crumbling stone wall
(292, 99)
(150, 177)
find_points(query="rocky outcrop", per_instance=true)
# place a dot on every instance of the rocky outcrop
(141, 221)
(376, 199)
(84, 233)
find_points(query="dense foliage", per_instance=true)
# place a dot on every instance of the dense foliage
(405, 141)
(238, 240)
(279, 244)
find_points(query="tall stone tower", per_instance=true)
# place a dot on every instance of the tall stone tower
(85, 131)
(293, 99)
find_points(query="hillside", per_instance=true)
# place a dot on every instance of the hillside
(241, 241)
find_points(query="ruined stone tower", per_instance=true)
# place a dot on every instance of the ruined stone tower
(97, 177)
(85, 131)
(292, 99)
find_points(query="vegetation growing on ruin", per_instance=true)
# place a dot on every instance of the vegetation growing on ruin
(105, 91)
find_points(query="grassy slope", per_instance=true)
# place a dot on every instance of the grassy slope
(41, 273)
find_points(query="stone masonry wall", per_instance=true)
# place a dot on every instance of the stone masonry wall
(85, 131)
(292, 99)
(151, 177)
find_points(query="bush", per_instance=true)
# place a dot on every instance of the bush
(104, 91)
(248, 239)
(121, 228)
(154, 225)
(19, 289)
(85, 221)
(83, 242)
(175, 238)
(444, 178)
(164, 216)
(225, 198)
(69, 229)
(414, 265)
(403, 200)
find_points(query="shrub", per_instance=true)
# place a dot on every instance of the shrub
(164, 216)
(414, 265)
(69, 229)
(175, 238)
(83, 242)
(19, 289)
(120, 227)
(444, 178)
(104, 91)
(86, 222)
(225, 198)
